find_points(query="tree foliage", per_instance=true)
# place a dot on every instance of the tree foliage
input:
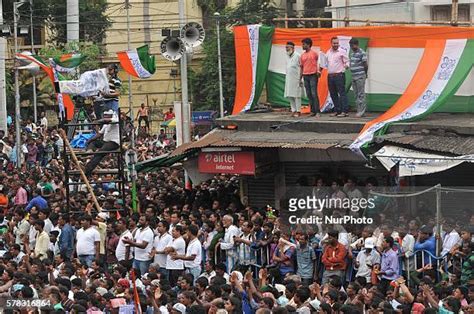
(205, 83)
(93, 20)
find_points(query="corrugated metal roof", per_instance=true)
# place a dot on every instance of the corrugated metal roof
(289, 140)
(457, 145)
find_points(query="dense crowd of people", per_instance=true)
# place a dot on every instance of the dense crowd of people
(201, 250)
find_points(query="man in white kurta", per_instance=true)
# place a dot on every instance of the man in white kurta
(293, 79)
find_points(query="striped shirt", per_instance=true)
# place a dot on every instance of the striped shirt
(114, 84)
(358, 58)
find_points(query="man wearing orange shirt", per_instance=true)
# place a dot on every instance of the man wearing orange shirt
(334, 257)
(310, 74)
(3, 202)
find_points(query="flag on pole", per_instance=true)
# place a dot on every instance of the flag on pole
(138, 62)
(68, 62)
(64, 101)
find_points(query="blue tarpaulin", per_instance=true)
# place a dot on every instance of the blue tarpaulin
(80, 141)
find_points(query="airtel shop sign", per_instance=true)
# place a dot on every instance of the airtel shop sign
(227, 162)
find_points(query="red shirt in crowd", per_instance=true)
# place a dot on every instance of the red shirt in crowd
(334, 258)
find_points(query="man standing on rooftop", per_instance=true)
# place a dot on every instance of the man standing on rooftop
(310, 75)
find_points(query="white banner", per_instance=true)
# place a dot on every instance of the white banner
(89, 84)
(415, 163)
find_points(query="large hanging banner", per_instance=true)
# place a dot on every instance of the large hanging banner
(138, 62)
(394, 53)
(443, 68)
(89, 84)
(415, 163)
(253, 45)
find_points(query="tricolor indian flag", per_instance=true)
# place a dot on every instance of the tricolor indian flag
(68, 62)
(65, 103)
(277, 69)
(394, 53)
(138, 62)
(444, 66)
(253, 44)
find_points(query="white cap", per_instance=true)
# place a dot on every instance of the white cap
(315, 304)
(281, 288)
(180, 308)
(101, 290)
(109, 112)
(115, 193)
(103, 216)
(369, 243)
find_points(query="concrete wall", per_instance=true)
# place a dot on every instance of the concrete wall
(395, 10)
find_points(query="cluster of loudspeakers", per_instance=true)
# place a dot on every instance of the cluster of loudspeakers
(178, 43)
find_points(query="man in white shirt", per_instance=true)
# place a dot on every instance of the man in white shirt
(122, 251)
(227, 244)
(17, 254)
(192, 259)
(367, 258)
(88, 241)
(21, 226)
(42, 241)
(110, 140)
(43, 214)
(143, 244)
(162, 240)
(44, 122)
(177, 246)
(209, 271)
(450, 240)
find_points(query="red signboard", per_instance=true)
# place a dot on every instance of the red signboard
(227, 162)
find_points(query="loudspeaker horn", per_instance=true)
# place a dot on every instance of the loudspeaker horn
(172, 48)
(192, 34)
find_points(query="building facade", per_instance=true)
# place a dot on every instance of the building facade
(396, 10)
(147, 19)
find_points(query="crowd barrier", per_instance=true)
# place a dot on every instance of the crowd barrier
(408, 265)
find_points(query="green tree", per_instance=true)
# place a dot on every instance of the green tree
(315, 8)
(204, 84)
(53, 13)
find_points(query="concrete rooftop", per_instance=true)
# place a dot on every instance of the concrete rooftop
(283, 122)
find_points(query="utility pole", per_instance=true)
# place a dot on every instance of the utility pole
(16, 5)
(35, 105)
(72, 19)
(184, 88)
(131, 152)
(454, 12)
(219, 62)
(346, 18)
(3, 94)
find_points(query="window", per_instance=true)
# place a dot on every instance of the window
(443, 13)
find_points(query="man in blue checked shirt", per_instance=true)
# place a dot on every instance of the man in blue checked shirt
(305, 257)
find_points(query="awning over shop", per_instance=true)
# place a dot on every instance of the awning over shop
(414, 163)
(288, 140)
(156, 163)
(447, 142)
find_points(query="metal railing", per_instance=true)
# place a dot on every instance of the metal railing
(408, 265)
